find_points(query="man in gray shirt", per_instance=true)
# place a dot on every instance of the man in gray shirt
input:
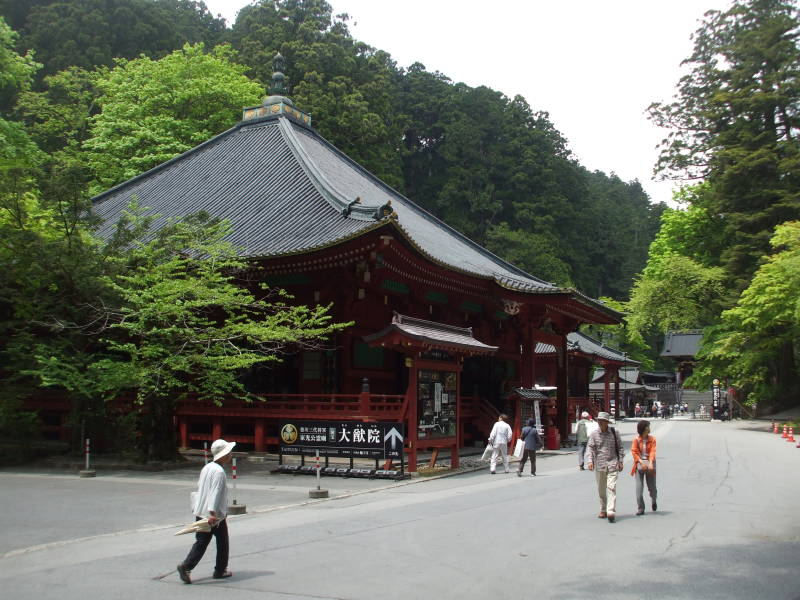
(604, 456)
(210, 501)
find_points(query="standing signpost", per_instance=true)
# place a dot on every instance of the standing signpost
(87, 472)
(347, 439)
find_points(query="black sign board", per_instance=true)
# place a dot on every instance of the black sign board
(343, 438)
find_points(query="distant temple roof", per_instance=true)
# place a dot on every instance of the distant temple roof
(581, 342)
(286, 190)
(682, 344)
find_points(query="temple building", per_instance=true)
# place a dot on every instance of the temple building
(446, 335)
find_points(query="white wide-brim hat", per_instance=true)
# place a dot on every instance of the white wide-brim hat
(603, 416)
(221, 448)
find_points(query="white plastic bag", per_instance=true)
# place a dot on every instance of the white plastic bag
(487, 453)
(519, 448)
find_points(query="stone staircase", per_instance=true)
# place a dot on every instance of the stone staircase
(694, 399)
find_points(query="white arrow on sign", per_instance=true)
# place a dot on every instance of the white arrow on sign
(395, 436)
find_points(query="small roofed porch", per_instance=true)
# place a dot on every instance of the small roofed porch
(434, 355)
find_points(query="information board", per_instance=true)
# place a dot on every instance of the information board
(343, 438)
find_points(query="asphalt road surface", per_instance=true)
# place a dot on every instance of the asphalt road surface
(727, 527)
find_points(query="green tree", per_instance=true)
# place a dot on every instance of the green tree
(57, 117)
(92, 33)
(154, 110)
(16, 71)
(187, 325)
(734, 123)
(756, 344)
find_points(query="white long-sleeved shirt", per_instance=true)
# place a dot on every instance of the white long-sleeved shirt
(212, 492)
(501, 434)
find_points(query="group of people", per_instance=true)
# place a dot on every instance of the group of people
(660, 409)
(599, 449)
(604, 454)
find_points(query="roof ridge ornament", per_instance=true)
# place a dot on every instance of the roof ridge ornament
(276, 103)
(278, 85)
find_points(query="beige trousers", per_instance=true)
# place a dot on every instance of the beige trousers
(607, 490)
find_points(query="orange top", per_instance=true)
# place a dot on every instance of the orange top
(636, 451)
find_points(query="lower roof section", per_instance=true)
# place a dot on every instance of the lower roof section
(419, 334)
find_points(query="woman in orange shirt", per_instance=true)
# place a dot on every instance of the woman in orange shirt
(643, 449)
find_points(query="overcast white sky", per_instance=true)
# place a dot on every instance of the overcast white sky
(594, 65)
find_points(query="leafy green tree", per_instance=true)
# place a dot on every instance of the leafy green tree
(16, 71)
(187, 325)
(756, 343)
(91, 33)
(734, 123)
(57, 117)
(154, 110)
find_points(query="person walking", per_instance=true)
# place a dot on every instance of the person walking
(533, 442)
(581, 437)
(210, 501)
(643, 450)
(499, 439)
(604, 456)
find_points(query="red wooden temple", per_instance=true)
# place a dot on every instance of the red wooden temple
(446, 334)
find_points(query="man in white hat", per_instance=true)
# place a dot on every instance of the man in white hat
(210, 501)
(604, 456)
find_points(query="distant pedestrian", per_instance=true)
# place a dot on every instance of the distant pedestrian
(643, 450)
(604, 456)
(581, 437)
(533, 442)
(637, 410)
(210, 501)
(499, 438)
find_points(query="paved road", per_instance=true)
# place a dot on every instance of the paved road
(726, 528)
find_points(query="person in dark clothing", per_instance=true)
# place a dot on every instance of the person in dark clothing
(533, 443)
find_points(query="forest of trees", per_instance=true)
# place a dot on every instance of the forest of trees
(93, 92)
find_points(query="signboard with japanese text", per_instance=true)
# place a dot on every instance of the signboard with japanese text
(343, 438)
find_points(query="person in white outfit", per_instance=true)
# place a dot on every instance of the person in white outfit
(499, 438)
(210, 501)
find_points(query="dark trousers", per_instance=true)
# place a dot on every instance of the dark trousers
(525, 455)
(202, 539)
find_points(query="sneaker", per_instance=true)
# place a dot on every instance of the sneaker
(655, 506)
(224, 575)
(581, 468)
(519, 473)
(640, 512)
(492, 472)
(602, 515)
(183, 573)
(611, 518)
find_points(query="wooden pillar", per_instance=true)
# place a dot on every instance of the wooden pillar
(562, 393)
(259, 435)
(606, 389)
(216, 430)
(616, 396)
(183, 430)
(454, 452)
(363, 398)
(413, 425)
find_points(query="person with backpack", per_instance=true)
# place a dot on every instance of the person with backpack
(533, 443)
(604, 456)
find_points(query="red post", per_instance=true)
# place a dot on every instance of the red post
(413, 426)
(259, 435)
(183, 428)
